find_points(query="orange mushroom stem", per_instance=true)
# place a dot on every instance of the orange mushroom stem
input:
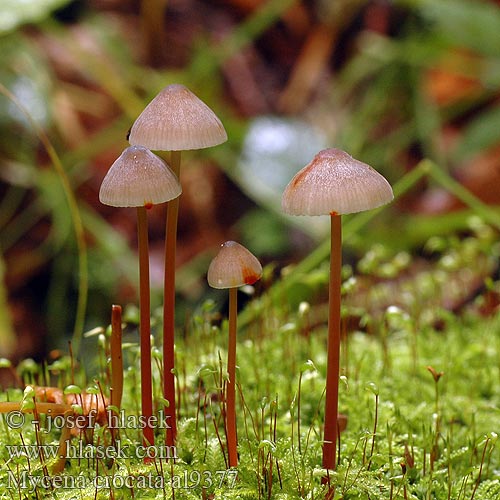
(232, 267)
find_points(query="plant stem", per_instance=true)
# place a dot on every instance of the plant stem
(62, 450)
(374, 433)
(169, 307)
(333, 363)
(83, 275)
(144, 325)
(231, 383)
(298, 412)
(152, 16)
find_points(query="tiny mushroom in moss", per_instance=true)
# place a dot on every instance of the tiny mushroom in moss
(175, 120)
(232, 267)
(334, 183)
(139, 178)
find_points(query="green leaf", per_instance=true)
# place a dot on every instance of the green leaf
(471, 24)
(14, 13)
(7, 337)
(480, 134)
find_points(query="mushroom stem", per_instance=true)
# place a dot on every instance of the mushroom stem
(231, 383)
(144, 326)
(333, 363)
(116, 360)
(169, 306)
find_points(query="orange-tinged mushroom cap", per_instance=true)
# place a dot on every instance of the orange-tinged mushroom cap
(138, 178)
(177, 120)
(335, 183)
(233, 266)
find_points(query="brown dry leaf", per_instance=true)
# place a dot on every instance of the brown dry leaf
(454, 79)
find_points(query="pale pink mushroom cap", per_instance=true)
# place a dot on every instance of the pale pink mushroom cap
(233, 266)
(138, 178)
(335, 183)
(177, 120)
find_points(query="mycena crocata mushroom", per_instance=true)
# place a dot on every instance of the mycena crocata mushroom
(334, 183)
(232, 267)
(138, 178)
(175, 120)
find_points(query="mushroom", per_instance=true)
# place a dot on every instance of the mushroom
(175, 120)
(334, 183)
(232, 267)
(138, 178)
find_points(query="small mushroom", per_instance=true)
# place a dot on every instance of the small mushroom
(334, 183)
(138, 178)
(175, 120)
(232, 267)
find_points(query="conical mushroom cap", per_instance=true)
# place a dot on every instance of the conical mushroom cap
(177, 120)
(335, 183)
(233, 266)
(138, 178)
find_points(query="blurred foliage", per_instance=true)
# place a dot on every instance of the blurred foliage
(16, 13)
(393, 83)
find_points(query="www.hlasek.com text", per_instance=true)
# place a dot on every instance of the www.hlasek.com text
(80, 450)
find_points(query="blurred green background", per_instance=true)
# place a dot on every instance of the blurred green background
(391, 82)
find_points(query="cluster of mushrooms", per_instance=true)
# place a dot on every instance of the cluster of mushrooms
(333, 183)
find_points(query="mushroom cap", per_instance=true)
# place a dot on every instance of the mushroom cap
(177, 120)
(233, 266)
(335, 183)
(138, 178)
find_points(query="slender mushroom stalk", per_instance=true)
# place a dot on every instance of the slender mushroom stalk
(334, 183)
(232, 267)
(116, 362)
(232, 439)
(138, 178)
(145, 322)
(333, 353)
(169, 308)
(175, 120)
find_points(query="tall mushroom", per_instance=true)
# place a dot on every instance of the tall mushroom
(232, 267)
(334, 183)
(138, 178)
(175, 120)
